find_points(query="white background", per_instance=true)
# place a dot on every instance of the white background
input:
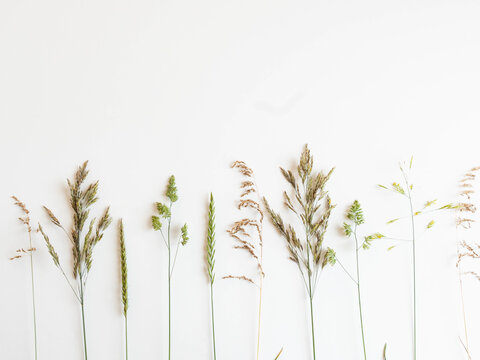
(145, 89)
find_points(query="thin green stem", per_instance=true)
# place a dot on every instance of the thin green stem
(33, 303)
(345, 270)
(213, 321)
(169, 289)
(414, 271)
(311, 317)
(175, 257)
(82, 303)
(126, 337)
(359, 294)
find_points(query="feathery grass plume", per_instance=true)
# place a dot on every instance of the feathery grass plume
(124, 274)
(210, 257)
(165, 217)
(466, 250)
(354, 219)
(20, 253)
(248, 234)
(312, 205)
(82, 197)
(427, 210)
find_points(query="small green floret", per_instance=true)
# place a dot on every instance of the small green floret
(347, 229)
(356, 213)
(163, 210)
(185, 237)
(398, 188)
(172, 189)
(331, 257)
(156, 223)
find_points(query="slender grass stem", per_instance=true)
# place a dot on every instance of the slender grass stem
(359, 294)
(412, 217)
(213, 322)
(311, 318)
(259, 316)
(33, 303)
(82, 304)
(465, 327)
(84, 331)
(345, 270)
(169, 290)
(126, 337)
(460, 280)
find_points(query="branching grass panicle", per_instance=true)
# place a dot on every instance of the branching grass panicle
(312, 205)
(82, 198)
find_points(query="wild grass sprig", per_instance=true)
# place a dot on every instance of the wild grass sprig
(124, 277)
(20, 253)
(165, 217)
(429, 208)
(82, 197)
(354, 219)
(210, 257)
(248, 234)
(466, 249)
(313, 206)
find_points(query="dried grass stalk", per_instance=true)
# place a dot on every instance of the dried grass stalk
(247, 234)
(20, 253)
(464, 221)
